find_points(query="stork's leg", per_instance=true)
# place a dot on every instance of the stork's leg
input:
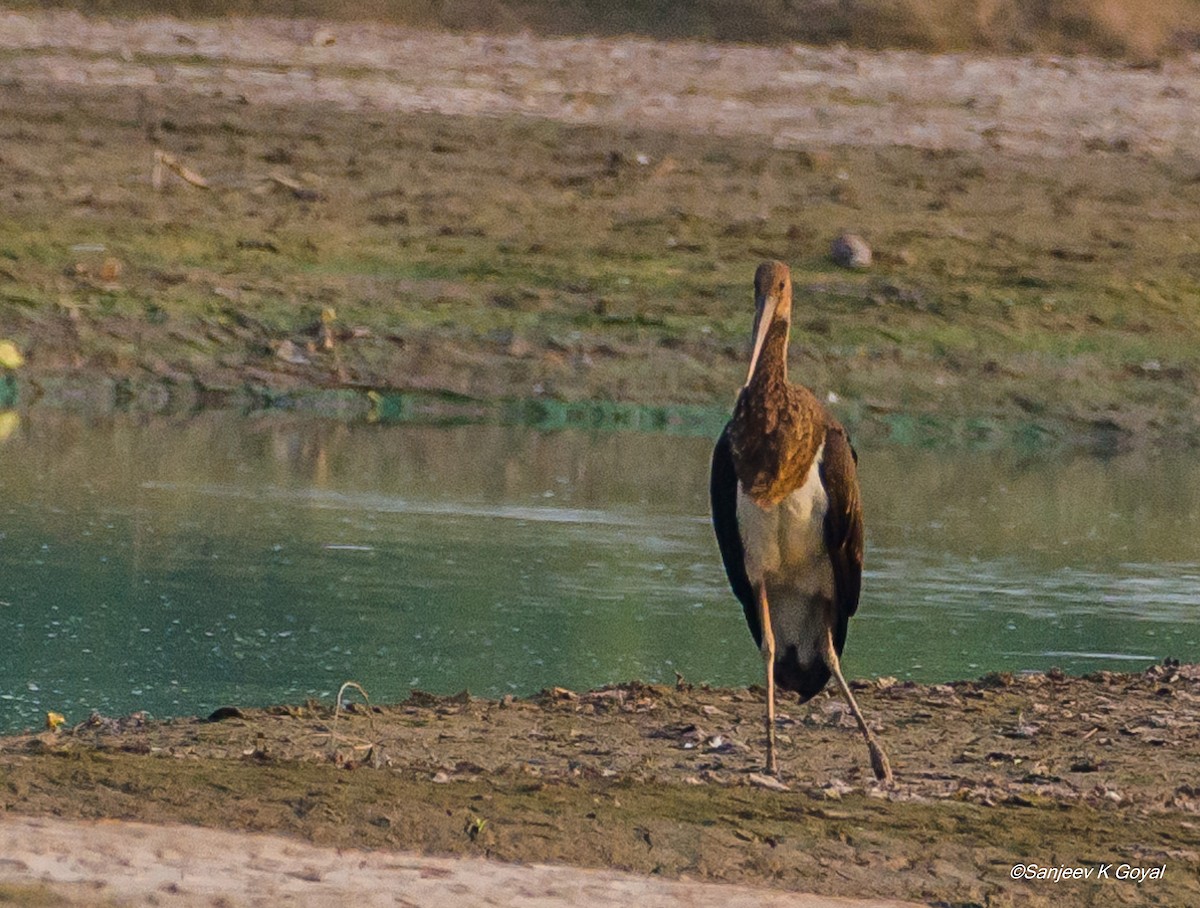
(768, 654)
(879, 760)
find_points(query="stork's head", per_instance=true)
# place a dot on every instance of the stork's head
(772, 302)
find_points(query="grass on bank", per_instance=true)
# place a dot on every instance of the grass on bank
(518, 258)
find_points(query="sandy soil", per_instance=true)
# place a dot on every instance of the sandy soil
(121, 863)
(790, 96)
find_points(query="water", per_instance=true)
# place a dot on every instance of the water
(178, 565)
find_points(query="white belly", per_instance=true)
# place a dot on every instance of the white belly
(785, 549)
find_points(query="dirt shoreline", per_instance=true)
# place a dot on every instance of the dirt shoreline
(1042, 769)
(578, 219)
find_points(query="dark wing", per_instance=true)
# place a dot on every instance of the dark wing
(843, 526)
(722, 494)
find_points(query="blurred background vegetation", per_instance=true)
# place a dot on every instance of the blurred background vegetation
(1138, 30)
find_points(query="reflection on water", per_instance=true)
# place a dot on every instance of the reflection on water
(175, 566)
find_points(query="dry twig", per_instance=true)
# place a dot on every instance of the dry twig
(164, 161)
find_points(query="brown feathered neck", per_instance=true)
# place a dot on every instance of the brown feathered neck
(777, 427)
(771, 370)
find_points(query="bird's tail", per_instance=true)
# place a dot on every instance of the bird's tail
(806, 678)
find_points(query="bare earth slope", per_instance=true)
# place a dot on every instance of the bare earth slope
(790, 95)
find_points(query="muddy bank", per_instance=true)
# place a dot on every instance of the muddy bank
(1041, 769)
(473, 217)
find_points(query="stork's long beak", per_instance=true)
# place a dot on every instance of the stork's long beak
(765, 306)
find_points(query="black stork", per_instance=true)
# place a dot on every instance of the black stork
(788, 519)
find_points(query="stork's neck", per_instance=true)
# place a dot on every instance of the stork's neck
(776, 427)
(772, 361)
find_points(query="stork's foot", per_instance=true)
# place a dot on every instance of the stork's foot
(879, 762)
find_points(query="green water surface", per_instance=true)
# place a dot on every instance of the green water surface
(178, 564)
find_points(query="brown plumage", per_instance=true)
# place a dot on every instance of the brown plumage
(788, 517)
(777, 427)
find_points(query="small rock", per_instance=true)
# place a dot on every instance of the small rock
(290, 353)
(850, 250)
(323, 37)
